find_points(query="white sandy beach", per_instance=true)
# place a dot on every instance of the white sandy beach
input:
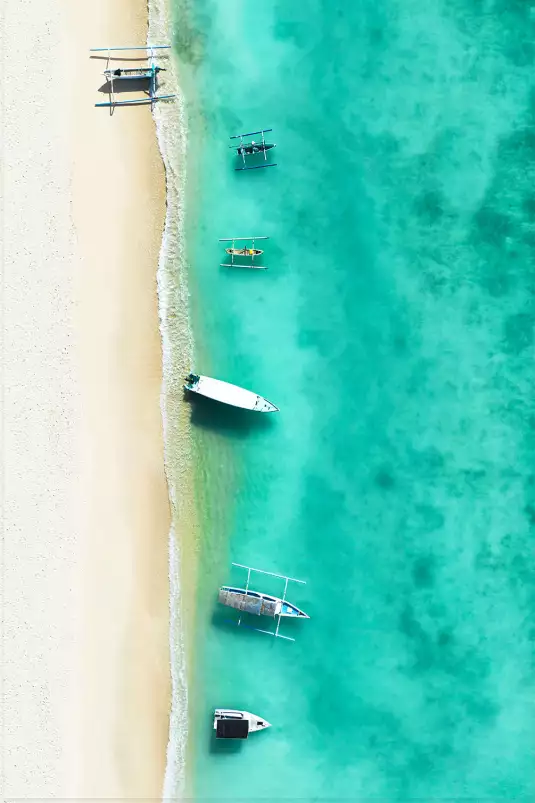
(86, 513)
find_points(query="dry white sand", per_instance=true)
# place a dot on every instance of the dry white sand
(86, 514)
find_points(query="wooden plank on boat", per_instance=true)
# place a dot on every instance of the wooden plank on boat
(248, 604)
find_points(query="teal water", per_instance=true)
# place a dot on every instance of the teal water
(395, 331)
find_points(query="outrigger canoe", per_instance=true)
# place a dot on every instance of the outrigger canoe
(243, 599)
(244, 252)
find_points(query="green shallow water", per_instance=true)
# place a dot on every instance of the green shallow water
(395, 331)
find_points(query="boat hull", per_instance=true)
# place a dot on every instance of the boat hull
(226, 393)
(250, 150)
(258, 604)
(256, 723)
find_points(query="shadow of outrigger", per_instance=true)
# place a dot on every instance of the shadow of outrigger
(138, 84)
(131, 79)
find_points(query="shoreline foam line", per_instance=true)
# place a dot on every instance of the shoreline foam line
(173, 303)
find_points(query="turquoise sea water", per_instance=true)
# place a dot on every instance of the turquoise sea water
(394, 329)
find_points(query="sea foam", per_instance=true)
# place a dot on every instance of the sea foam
(176, 338)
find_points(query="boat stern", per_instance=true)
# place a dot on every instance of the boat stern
(191, 382)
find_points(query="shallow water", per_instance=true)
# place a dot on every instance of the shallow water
(394, 328)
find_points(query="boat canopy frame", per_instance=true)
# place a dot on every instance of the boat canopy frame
(262, 147)
(275, 633)
(150, 75)
(233, 264)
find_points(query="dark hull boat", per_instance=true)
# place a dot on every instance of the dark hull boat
(255, 147)
(230, 723)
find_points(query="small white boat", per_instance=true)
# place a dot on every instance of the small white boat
(243, 599)
(232, 724)
(228, 394)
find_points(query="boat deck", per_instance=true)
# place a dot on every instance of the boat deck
(248, 603)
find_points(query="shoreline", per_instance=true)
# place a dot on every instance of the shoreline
(118, 185)
(177, 346)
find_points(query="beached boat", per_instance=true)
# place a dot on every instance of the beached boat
(120, 74)
(133, 73)
(228, 394)
(232, 724)
(243, 599)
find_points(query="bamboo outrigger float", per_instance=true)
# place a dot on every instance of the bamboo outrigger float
(249, 252)
(148, 73)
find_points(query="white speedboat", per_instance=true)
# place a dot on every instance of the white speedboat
(232, 724)
(243, 599)
(228, 394)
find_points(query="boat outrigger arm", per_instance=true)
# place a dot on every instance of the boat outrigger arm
(287, 580)
(250, 252)
(251, 148)
(148, 73)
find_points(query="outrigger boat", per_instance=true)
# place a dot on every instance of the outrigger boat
(257, 603)
(247, 251)
(253, 148)
(232, 724)
(147, 73)
(244, 252)
(228, 394)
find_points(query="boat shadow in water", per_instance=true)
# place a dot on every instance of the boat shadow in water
(248, 629)
(224, 746)
(223, 620)
(126, 87)
(222, 418)
(221, 746)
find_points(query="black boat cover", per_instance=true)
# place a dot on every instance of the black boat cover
(232, 728)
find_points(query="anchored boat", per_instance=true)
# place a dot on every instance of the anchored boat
(232, 724)
(248, 251)
(244, 252)
(248, 601)
(228, 394)
(252, 148)
(245, 600)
